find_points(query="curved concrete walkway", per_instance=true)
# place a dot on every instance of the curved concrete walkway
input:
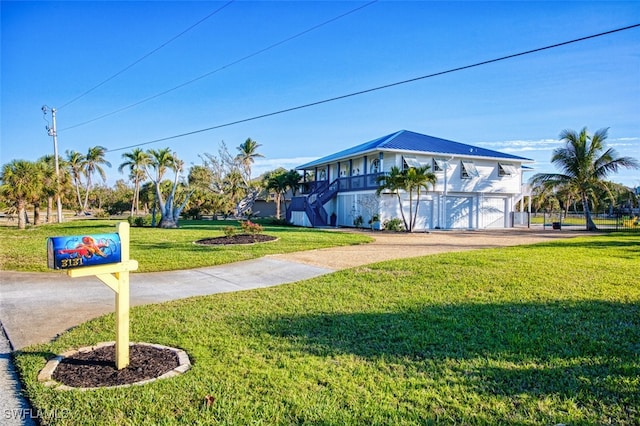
(37, 307)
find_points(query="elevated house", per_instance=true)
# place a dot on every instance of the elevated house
(476, 188)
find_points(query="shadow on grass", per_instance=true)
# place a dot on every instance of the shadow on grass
(564, 348)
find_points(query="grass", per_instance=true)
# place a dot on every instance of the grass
(165, 249)
(529, 335)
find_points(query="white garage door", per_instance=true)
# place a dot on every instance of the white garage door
(492, 212)
(425, 218)
(458, 213)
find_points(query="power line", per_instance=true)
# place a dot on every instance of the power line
(373, 89)
(143, 57)
(237, 61)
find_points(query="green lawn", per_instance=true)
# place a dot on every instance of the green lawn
(165, 249)
(529, 335)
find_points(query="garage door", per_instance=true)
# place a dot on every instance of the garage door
(458, 213)
(492, 212)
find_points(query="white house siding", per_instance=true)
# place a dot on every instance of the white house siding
(300, 219)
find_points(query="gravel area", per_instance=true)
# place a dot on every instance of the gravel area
(392, 245)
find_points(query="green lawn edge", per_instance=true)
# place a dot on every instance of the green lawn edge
(540, 334)
(158, 250)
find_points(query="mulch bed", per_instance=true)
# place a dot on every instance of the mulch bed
(236, 239)
(97, 368)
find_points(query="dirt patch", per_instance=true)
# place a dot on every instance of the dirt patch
(398, 245)
(97, 368)
(236, 239)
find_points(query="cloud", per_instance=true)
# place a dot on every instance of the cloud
(267, 164)
(522, 145)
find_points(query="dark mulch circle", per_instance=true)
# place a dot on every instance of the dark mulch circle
(236, 239)
(97, 368)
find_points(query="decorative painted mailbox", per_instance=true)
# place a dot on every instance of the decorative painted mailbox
(83, 250)
(105, 256)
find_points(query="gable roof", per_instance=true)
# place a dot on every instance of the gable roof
(405, 140)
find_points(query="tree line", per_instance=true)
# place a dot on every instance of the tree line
(223, 184)
(155, 184)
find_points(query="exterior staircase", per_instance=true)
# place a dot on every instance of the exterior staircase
(313, 203)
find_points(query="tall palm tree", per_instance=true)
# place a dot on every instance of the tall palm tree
(160, 161)
(278, 183)
(416, 179)
(585, 163)
(136, 161)
(247, 153)
(19, 185)
(76, 166)
(93, 163)
(49, 183)
(393, 181)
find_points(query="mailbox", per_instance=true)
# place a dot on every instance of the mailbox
(83, 250)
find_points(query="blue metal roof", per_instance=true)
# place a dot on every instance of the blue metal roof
(405, 140)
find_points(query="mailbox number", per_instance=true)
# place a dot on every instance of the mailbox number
(69, 263)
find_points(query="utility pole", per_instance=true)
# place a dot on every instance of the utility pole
(52, 132)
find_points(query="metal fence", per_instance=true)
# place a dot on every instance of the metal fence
(611, 221)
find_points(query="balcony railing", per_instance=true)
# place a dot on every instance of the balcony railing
(346, 184)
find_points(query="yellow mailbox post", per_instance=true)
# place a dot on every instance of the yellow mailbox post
(90, 255)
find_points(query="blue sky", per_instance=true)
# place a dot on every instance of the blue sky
(54, 51)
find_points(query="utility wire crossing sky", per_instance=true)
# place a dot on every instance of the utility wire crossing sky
(268, 56)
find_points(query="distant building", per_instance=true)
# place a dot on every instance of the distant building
(477, 188)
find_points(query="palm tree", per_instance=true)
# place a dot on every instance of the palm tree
(93, 163)
(416, 179)
(278, 183)
(49, 183)
(247, 155)
(136, 161)
(76, 166)
(585, 164)
(394, 182)
(20, 183)
(160, 161)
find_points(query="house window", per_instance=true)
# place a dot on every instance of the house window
(468, 170)
(409, 161)
(439, 165)
(506, 169)
(375, 167)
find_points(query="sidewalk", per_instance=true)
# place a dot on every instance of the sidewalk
(37, 307)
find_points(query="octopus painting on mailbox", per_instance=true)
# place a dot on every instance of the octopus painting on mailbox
(83, 250)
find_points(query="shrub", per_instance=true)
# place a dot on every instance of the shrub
(100, 214)
(358, 221)
(279, 222)
(394, 224)
(139, 221)
(229, 231)
(252, 228)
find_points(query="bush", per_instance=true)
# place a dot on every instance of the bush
(229, 231)
(100, 214)
(252, 228)
(141, 221)
(394, 224)
(358, 221)
(278, 222)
